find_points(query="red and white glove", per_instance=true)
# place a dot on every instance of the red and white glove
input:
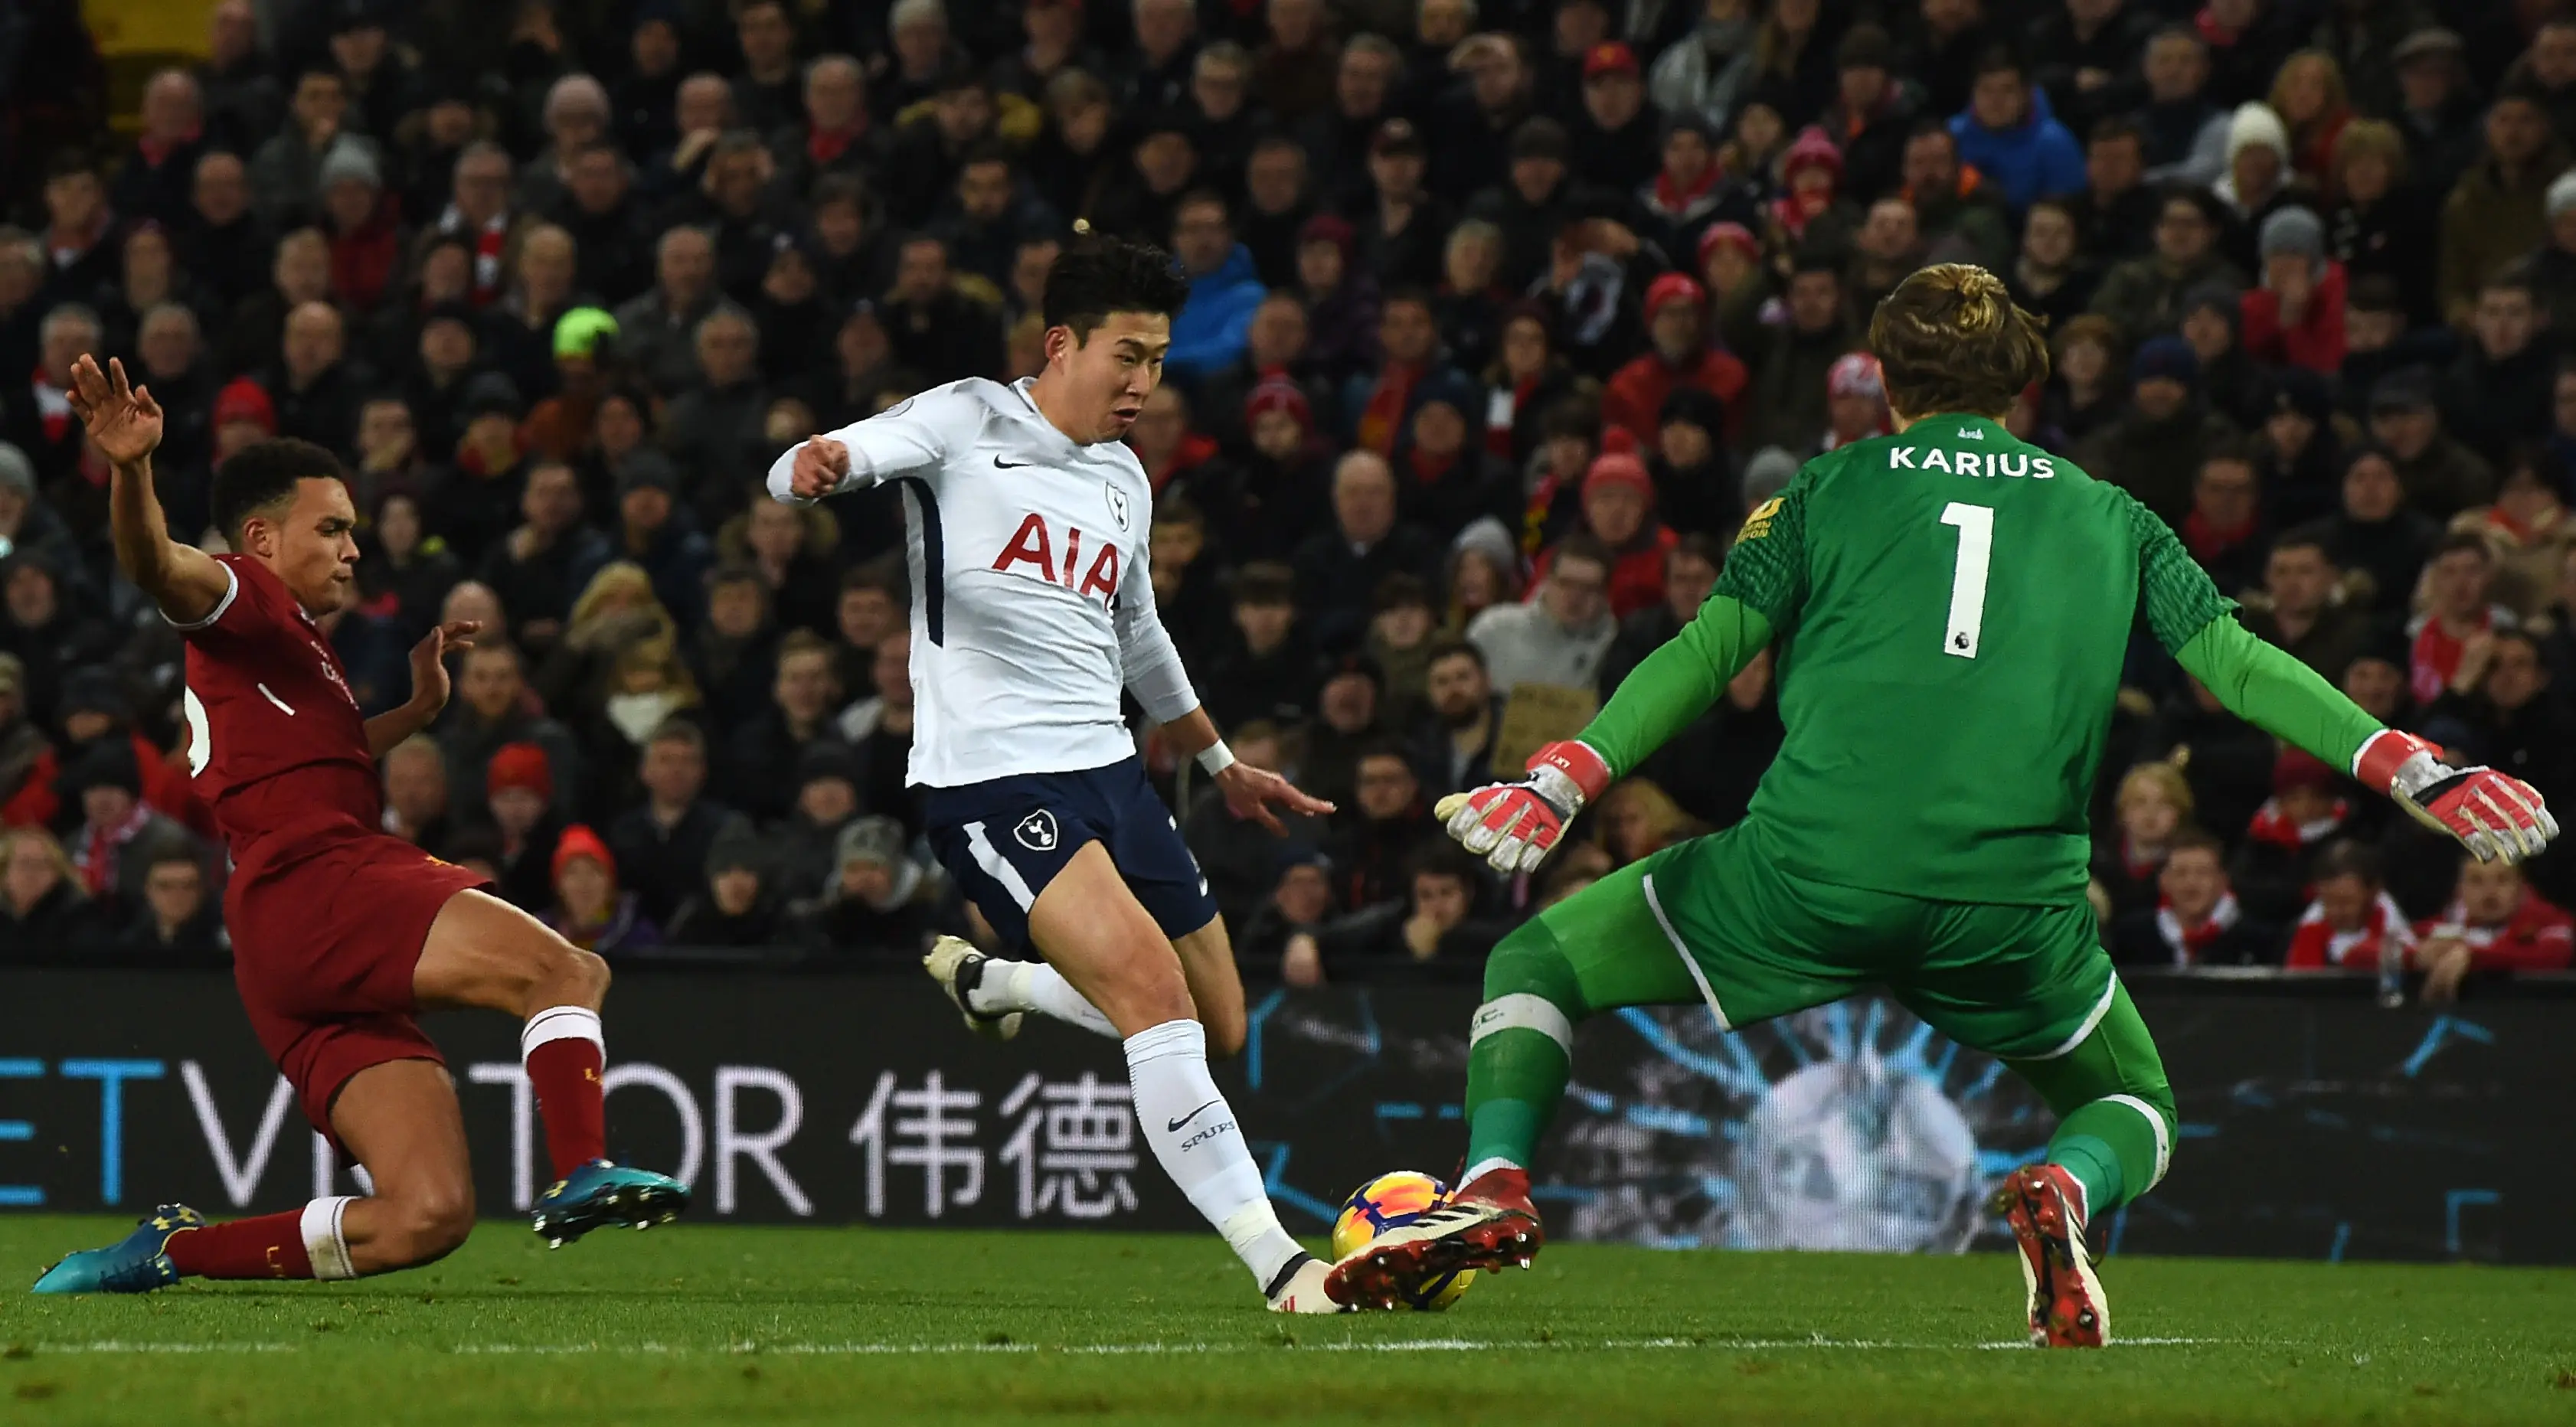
(2494, 815)
(1514, 826)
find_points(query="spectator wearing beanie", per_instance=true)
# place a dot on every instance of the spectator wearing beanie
(1855, 401)
(1617, 133)
(2274, 866)
(1677, 326)
(1619, 514)
(1808, 211)
(2258, 180)
(2442, 477)
(1695, 490)
(363, 222)
(589, 910)
(734, 905)
(2296, 317)
(475, 500)
(518, 786)
(2154, 450)
(118, 834)
(1265, 504)
(2496, 212)
(1444, 476)
(878, 904)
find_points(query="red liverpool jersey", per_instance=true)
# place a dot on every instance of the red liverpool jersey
(275, 740)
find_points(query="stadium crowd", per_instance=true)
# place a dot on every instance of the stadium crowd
(1503, 316)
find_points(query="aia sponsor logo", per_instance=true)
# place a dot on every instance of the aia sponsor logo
(1035, 553)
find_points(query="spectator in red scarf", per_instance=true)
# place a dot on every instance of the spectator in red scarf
(2224, 531)
(1738, 286)
(2352, 920)
(37, 417)
(2456, 610)
(363, 223)
(155, 179)
(1811, 172)
(1378, 405)
(1689, 190)
(1445, 477)
(2495, 923)
(1618, 511)
(119, 833)
(2273, 868)
(2196, 920)
(1677, 325)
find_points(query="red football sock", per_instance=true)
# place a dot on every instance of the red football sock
(564, 1058)
(270, 1246)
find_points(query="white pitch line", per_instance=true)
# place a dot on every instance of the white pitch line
(1417, 1345)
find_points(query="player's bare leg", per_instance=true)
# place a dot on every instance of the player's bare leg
(1092, 928)
(400, 1119)
(483, 952)
(993, 993)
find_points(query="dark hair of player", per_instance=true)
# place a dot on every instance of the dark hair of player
(261, 477)
(1949, 339)
(1100, 275)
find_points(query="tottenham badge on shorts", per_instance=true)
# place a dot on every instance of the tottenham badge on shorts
(1036, 832)
(1117, 504)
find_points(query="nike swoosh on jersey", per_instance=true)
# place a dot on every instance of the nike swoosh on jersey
(1011, 465)
(1173, 1127)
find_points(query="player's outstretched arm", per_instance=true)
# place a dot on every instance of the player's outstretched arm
(2494, 815)
(911, 435)
(1513, 826)
(125, 423)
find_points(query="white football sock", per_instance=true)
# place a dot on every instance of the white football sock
(1035, 986)
(1193, 1133)
(1480, 1168)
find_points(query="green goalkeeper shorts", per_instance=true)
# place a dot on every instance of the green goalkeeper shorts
(1714, 919)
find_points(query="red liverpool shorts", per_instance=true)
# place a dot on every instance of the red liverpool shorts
(326, 932)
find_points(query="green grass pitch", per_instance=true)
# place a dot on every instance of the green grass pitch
(743, 1325)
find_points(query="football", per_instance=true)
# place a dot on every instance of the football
(1390, 1201)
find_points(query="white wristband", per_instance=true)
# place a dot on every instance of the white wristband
(1216, 758)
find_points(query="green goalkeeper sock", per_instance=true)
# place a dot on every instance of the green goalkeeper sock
(2116, 1147)
(1520, 1049)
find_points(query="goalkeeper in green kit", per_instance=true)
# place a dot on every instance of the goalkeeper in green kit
(1950, 606)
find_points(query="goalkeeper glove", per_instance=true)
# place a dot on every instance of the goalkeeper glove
(2494, 815)
(1514, 826)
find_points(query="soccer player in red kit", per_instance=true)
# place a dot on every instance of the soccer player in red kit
(340, 931)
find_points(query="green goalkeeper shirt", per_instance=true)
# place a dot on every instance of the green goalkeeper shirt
(1952, 607)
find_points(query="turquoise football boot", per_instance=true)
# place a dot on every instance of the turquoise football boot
(134, 1264)
(602, 1194)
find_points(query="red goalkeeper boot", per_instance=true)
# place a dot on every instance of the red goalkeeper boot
(1488, 1224)
(2045, 1207)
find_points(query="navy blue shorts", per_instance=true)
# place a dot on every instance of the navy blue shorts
(1006, 839)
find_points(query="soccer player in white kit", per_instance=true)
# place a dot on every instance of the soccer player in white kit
(1026, 529)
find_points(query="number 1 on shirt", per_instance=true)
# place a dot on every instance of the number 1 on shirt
(1968, 577)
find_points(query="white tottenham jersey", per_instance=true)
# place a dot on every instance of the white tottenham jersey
(1031, 601)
